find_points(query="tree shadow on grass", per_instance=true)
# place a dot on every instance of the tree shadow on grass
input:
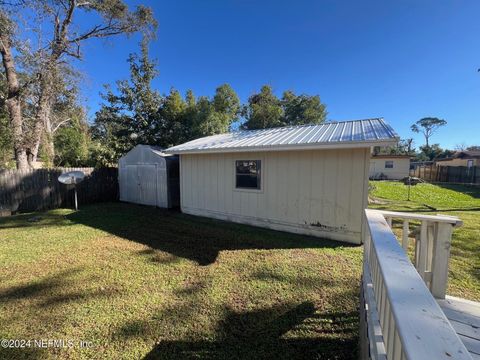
(472, 190)
(34, 220)
(285, 329)
(16, 352)
(42, 302)
(51, 291)
(191, 237)
(262, 334)
(39, 288)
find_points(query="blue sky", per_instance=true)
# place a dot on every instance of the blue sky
(401, 60)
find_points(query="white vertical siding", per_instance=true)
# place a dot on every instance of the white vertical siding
(144, 178)
(318, 192)
(401, 168)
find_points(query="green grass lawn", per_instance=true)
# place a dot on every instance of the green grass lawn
(140, 282)
(457, 200)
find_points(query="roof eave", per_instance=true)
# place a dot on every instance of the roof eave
(288, 147)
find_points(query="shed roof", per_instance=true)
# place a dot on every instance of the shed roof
(144, 154)
(346, 134)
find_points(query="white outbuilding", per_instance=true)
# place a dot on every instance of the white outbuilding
(150, 177)
(309, 179)
(389, 167)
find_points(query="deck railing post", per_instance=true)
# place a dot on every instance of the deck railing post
(405, 232)
(441, 255)
(421, 264)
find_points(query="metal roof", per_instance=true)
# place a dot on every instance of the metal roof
(346, 134)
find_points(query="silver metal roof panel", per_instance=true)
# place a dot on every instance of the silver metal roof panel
(346, 134)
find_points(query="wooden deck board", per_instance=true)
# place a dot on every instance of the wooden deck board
(464, 315)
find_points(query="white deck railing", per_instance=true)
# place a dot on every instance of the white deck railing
(433, 238)
(400, 317)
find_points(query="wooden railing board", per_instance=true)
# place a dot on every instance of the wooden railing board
(413, 216)
(411, 321)
(370, 321)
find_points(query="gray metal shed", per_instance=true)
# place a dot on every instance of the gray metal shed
(149, 177)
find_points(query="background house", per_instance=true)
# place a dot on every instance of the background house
(304, 179)
(391, 167)
(468, 158)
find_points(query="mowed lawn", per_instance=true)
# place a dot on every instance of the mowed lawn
(457, 200)
(139, 282)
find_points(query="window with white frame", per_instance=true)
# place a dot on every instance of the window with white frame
(248, 174)
(469, 163)
(389, 164)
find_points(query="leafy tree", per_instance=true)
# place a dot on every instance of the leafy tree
(172, 113)
(72, 143)
(130, 116)
(427, 126)
(226, 101)
(474, 148)
(403, 147)
(433, 152)
(217, 116)
(407, 146)
(302, 109)
(53, 50)
(203, 111)
(264, 110)
(184, 120)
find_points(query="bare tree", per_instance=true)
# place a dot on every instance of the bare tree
(57, 46)
(461, 146)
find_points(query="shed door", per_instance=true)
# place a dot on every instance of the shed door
(130, 193)
(147, 182)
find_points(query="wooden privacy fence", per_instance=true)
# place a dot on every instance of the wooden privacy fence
(448, 174)
(39, 189)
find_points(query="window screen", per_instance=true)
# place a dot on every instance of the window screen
(389, 164)
(247, 174)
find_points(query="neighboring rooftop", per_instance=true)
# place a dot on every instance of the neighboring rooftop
(465, 154)
(347, 134)
(468, 153)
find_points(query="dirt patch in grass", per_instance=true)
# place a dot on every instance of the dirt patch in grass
(141, 282)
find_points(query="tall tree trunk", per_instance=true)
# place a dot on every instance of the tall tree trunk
(48, 140)
(42, 133)
(35, 143)
(13, 102)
